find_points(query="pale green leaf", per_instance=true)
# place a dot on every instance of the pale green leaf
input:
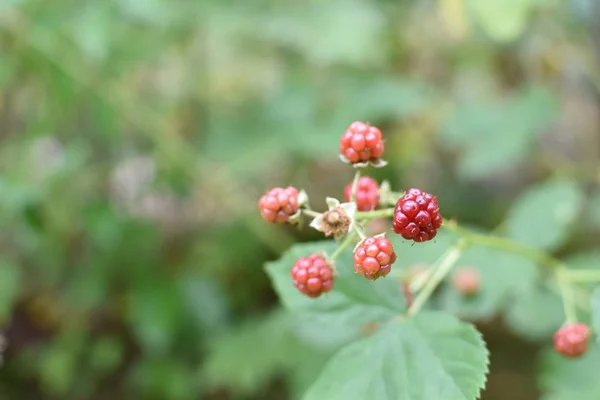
(494, 134)
(497, 270)
(502, 20)
(569, 379)
(352, 304)
(595, 303)
(433, 356)
(535, 313)
(544, 214)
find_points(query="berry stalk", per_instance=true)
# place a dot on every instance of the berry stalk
(355, 185)
(347, 240)
(438, 276)
(566, 292)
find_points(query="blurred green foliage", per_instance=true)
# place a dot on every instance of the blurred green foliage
(136, 136)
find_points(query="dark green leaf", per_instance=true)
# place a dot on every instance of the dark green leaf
(433, 356)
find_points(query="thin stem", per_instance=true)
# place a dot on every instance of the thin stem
(347, 240)
(368, 215)
(440, 273)
(355, 185)
(423, 278)
(310, 213)
(566, 292)
(582, 275)
(360, 232)
(506, 244)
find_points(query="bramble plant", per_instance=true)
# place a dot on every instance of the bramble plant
(397, 341)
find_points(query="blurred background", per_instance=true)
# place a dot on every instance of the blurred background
(137, 135)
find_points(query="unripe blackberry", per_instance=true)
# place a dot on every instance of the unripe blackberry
(417, 216)
(466, 281)
(361, 142)
(279, 204)
(572, 340)
(312, 275)
(367, 193)
(374, 257)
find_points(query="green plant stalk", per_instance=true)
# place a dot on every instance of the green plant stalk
(347, 240)
(582, 275)
(509, 245)
(563, 276)
(310, 213)
(566, 292)
(438, 276)
(420, 281)
(355, 185)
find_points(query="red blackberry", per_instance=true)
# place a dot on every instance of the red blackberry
(374, 257)
(572, 340)
(279, 204)
(361, 142)
(417, 216)
(312, 275)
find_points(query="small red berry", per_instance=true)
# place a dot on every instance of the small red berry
(367, 193)
(361, 142)
(572, 340)
(417, 216)
(312, 275)
(278, 204)
(466, 281)
(374, 257)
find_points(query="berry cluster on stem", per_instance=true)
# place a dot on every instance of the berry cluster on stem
(416, 217)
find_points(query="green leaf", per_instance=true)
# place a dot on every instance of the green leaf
(163, 378)
(583, 260)
(595, 210)
(495, 134)
(247, 357)
(535, 313)
(106, 354)
(595, 306)
(543, 215)
(568, 379)
(353, 303)
(497, 270)
(502, 20)
(433, 356)
(155, 314)
(10, 285)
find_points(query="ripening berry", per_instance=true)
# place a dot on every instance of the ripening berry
(367, 193)
(417, 216)
(374, 257)
(572, 340)
(466, 281)
(278, 204)
(312, 275)
(361, 142)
